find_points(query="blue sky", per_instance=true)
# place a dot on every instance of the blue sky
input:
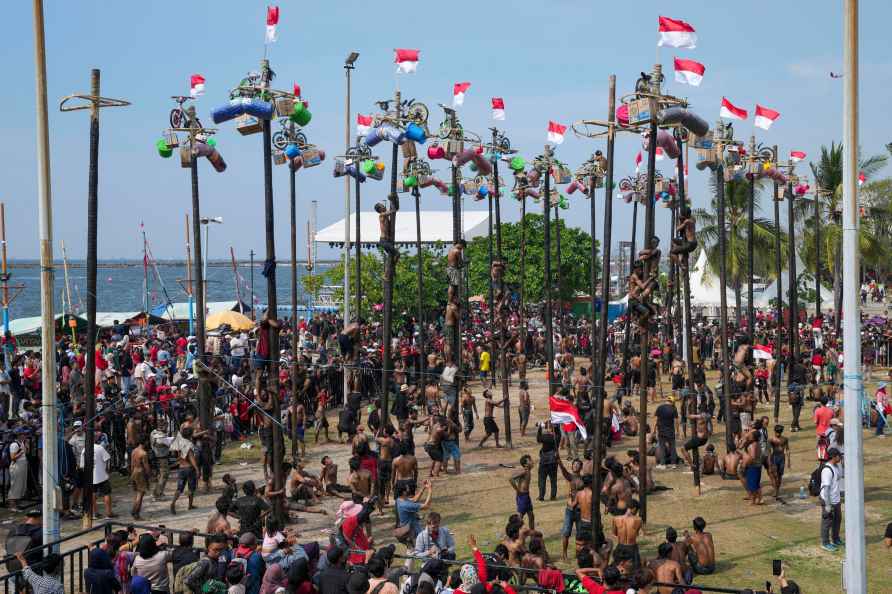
(548, 60)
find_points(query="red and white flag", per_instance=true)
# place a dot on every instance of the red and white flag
(556, 132)
(762, 351)
(689, 72)
(363, 124)
(196, 85)
(729, 110)
(638, 158)
(458, 93)
(676, 33)
(764, 117)
(797, 156)
(498, 108)
(566, 415)
(406, 60)
(861, 178)
(296, 90)
(660, 155)
(272, 19)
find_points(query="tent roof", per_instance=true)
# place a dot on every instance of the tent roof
(436, 226)
(31, 324)
(180, 311)
(705, 286)
(106, 319)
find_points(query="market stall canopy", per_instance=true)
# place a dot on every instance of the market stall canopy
(233, 319)
(436, 227)
(32, 325)
(705, 285)
(180, 311)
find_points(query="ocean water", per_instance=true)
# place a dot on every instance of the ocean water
(120, 285)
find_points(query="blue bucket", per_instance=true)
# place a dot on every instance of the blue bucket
(415, 133)
(292, 151)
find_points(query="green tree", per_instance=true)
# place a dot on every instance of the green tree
(575, 259)
(737, 194)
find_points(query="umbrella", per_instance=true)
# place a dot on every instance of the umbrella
(233, 319)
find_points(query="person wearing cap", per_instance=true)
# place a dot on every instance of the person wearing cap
(78, 441)
(831, 510)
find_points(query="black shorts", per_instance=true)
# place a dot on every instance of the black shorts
(406, 482)
(102, 489)
(695, 442)
(489, 424)
(346, 344)
(384, 470)
(435, 451)
(266, 439)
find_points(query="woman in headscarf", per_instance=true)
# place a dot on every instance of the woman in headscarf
(299, 578)
(273, 579)
(99, 576)
(151, 563)
(469, 579)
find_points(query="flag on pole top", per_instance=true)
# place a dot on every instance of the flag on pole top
(498, 108)
(272, 19)
(764, 117)
(196, 85)
(363, 124)
(861, 178)
(296, 90)
(676, 33)
(660, 155)
(406, 60)
(556, 132)
(638, 162)
(689, 72)
(730, 111)
(458, 93)
(797, 156)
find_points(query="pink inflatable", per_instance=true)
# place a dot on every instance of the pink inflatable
(427, 181)
(665, 141)
(577, 185)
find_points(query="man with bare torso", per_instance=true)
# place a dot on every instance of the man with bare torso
(360, 479)
(730, 463)
(187, 473)
(520, 362)
(468, 411)
(139, 476)
(666, 569)
(386, 217)
(751, 463)
(489, 422)
(520, 481)
(685, 240)
(701, 554)
(626, 529)
(583, 503)
(455, 261)
(779, 458)
(434, 447)
(524, 406)
(329, 477)
(386, 443)
(571, 512)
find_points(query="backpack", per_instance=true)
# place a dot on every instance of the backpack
(179, 580)
(814, 481)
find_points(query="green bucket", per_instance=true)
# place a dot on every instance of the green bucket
(368, 166)
(163, 150)
(410, 181)
(517, 163)
(301, 115)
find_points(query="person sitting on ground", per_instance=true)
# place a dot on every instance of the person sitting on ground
(729, 463)
(666, 569)
(435, 541)
(709, 461)
(701, 554)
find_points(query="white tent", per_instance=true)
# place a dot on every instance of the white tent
(705, 285)
(436, 226)
(763, 299)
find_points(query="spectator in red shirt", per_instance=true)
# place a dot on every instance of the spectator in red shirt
(354, 534)
(612, 578)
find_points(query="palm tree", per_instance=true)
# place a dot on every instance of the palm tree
(736, 201)
(828, 174)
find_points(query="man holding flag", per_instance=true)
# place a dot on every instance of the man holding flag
(565, 415)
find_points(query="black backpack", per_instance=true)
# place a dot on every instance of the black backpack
(814, 481)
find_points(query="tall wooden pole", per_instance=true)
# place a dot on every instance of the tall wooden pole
(750, 255)
(549, 330)
(389, 271)
(779, 322)
(723, 299)
(294, 330)
(422, 363)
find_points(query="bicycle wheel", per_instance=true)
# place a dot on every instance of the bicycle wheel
(177, 118)
(279, 140)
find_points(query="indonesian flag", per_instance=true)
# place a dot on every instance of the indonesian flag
(556, 132)
(565, 414)
(196, 85)
(797, 156)
(762, 351)
(638, 162)
(861, 178)
(689, 72)
(660, 155)
(296, 90)
(406, 60)
(458, 93)
(363, 124)
(730, 111)
(272, 19)
(676, 33)
(498, 108)
(764, 117)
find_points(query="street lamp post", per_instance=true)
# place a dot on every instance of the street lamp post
(207, 221)
(349, 65)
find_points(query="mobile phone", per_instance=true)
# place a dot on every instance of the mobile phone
(776, 567)
(768, 586)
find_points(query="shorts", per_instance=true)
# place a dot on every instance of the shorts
(450, 394)
(103, 489)
(695, 564)
(524, 412)
(489, 424)
(258, 362)
(734, 423)
(584, 531)
(695, 442)
(266, 440)
(753, 474)
(435, 451)
(779, 461)
(346, 344)
(139, 481)
(630, 551)
(384, 470)
(524, 503)
(571, 521)
(677, 382)
(187, 477)
(300, 432)
(408, 483)
(451, 450)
